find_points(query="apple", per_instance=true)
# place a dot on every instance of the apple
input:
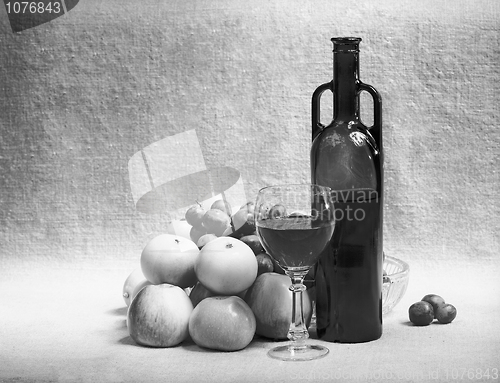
(133, 284)
(264, 263)
(194, 215)
(271, 302)
(226, 266)
(159, 316)
(253, 241)
(204, 239)
(224, 323)
(216, 222)
(169, 258)
(223, 206)
(199, 293)
(196, 233)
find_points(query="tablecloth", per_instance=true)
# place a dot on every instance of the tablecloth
(66, 322)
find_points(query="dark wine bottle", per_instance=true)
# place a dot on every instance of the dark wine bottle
(347, 156)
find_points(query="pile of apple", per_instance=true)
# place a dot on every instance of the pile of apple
(219, 288)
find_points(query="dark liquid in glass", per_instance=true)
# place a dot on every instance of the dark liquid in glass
(294, 242)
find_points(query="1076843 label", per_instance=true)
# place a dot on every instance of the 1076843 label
(471, 374)
(28, 14)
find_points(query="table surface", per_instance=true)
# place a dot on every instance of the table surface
(66, 322)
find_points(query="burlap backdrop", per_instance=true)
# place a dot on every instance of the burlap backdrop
(81, 94)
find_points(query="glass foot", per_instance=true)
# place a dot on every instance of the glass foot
(297, 353)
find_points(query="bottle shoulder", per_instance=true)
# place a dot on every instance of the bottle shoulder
(341, 135)
(345, 157)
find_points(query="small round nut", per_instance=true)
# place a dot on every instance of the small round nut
(421, 313)
(435, 301)
(446, 313)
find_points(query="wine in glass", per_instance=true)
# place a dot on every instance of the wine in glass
(295, 223)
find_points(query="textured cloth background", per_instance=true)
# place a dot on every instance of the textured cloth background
(81, 94)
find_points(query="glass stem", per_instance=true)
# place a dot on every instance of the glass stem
(297, 332)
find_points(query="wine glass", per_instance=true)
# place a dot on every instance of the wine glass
(295, 223)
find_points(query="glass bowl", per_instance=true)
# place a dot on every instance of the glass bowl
(395, 282)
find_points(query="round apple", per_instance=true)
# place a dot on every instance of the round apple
(222, 323)
(196, 233)
(265, 263)
(223, 206)
(204, 239)
(216, 222)
(194, 215)
(133, 284)
(271, 301)
(226, 266)
(199, 293)
(254, 242)
(169, 258)
(159, 316)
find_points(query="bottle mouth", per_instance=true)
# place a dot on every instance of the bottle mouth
(345, 44)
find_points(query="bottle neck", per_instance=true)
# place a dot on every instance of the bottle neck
(345, 84)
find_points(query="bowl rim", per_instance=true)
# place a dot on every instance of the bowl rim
(405, 268)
